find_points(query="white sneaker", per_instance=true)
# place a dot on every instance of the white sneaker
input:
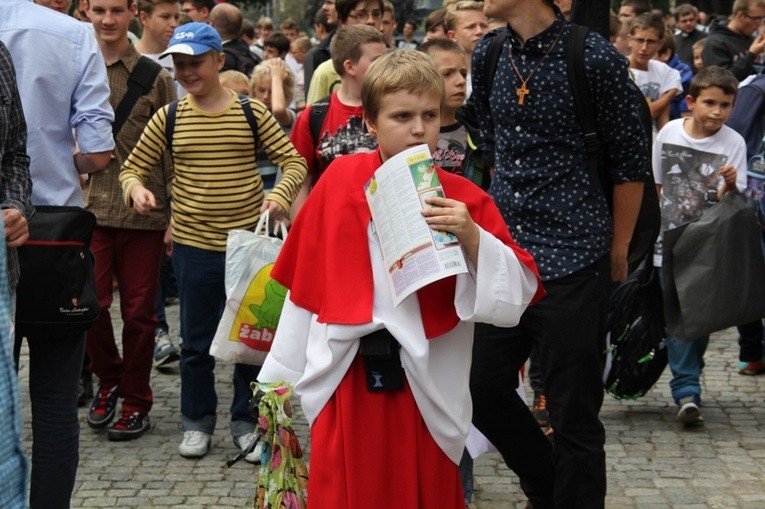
(243, 441)
(165, 352)
(195, 444)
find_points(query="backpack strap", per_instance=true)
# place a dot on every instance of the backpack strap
(493, 53)
(244, 101)
(583, 105)
(140, 82)
(316, 120)
(172, 111)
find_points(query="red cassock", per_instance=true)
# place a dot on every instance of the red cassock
(372, 450)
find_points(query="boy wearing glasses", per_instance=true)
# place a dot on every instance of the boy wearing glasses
(733, 46)
(658, 82)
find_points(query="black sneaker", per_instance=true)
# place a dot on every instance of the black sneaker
(104, 406)
(85, 391)
(129, 427)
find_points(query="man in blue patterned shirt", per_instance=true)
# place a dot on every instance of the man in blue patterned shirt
(64, 92)
(541, 185)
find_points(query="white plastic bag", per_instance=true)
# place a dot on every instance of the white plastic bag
(254, 301)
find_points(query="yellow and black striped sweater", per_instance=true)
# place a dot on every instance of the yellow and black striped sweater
(217, 186)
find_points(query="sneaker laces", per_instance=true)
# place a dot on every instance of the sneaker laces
(194, 435)
(126, 419)
(103, 399)
(163, 340)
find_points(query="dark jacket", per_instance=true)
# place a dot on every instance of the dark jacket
(748, 115)
(239, 57)
(685, 44)
(729, 50)
(315, 57)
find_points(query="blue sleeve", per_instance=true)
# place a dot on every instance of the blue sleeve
(747, 116)
(91, 114)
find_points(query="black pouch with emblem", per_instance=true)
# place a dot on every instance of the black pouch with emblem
(56, 294)
(382, 361)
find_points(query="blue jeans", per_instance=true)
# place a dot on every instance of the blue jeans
(167, 288)
(202, 295)
(686, 360)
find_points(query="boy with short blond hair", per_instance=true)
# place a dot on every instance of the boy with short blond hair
(698, 51)
(695, 161)
(236, 81)
(466, 23)
(342, 131)
(299, 48)
(217, 188)
(357, 454)
(658, 82)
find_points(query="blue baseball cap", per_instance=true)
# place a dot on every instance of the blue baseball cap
(193, 39)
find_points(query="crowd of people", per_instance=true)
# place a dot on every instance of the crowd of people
(177, 123)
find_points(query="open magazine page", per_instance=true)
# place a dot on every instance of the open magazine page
(414, 254)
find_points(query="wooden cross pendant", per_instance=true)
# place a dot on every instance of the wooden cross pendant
(522, 93)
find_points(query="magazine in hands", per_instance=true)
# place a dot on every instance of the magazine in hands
(414, 254)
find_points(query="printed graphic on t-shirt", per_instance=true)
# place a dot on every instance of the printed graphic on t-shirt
(352, 138)
(450, 154)
(651, 90)
(690, 179)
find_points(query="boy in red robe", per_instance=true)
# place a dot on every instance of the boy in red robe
(398, 447)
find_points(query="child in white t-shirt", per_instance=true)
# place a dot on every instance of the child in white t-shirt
(695, 161)
(658, 81)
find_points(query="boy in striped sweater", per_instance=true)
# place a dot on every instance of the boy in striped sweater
(216, 188)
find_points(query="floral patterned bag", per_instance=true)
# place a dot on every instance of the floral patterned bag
(283, 478)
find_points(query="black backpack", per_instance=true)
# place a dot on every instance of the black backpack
(476, 164)
(172, 110)
(318, 114)
(636, 351)
(649, 219)
(243, 61)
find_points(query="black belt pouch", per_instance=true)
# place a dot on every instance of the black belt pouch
(382, 361)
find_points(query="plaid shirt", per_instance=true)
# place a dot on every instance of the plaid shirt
(103, 194)
(15, 189)
(15, 182)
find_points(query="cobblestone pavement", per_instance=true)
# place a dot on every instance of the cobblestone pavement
(652, 460)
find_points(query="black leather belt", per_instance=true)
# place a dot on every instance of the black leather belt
(382, 361)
